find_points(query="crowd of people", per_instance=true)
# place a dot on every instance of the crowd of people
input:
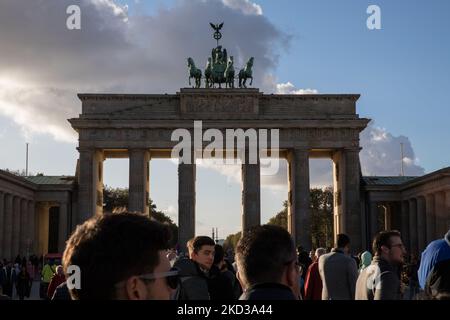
(127, 256)
(17, 279)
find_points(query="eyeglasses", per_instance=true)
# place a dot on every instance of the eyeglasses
(400, 245)
(172, 278)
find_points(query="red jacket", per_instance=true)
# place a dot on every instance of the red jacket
(56, 281)
(313, 283)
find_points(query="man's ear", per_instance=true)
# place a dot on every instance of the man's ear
(192, 255)
(135, 289)
(291, 275)
(291, 278)
(238, 276)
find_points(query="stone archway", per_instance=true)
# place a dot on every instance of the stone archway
(140, 127)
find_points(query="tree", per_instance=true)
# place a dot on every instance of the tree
(21, 173)
(231, 241)
(321, 206)
(280, 219)
(115, 200)
(321, 228)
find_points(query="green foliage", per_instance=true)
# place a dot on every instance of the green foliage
(280, 219)
(321, 206)
(321, 228)
(116, 200)
(231, 241)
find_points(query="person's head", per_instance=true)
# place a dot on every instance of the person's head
(389, 246)
(201, 250)
(267, 254)
(219, 256)
(120, 256)
(319, 252)
(343, 242)
(366, 259)
(59, 270)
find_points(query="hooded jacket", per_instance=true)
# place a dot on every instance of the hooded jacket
(366, 260)
(435, 252)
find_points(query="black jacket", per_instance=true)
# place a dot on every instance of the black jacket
(220, 286)
(268, 291)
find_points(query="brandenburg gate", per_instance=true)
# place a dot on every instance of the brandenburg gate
(139, 127)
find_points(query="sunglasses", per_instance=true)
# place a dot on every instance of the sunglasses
(172, 278)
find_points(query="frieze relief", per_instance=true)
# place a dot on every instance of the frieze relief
(217, 106)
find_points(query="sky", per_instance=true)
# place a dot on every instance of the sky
(317, 46)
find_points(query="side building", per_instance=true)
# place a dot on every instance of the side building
(38, 213)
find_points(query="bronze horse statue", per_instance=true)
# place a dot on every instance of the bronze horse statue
(194, 72)
(246, 73)
(229, 73)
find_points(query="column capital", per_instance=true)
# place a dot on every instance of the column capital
(86, 149)
(299, 149)
(352, 149)
(138, 150)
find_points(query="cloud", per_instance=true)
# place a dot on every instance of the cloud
(289, 88)
(246, 6)
(45, 65)
(381, 153)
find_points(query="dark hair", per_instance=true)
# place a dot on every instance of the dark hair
(198, 242)
(437, 285)
(383, 238)
(263, 252)
(342, 240)
(219, 253)
(111, 248)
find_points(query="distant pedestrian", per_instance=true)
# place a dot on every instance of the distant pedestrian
(338, 271)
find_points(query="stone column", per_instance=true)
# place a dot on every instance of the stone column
(352, 198)
(338, 186)
(430, 218)
(388, 216)
(16, 226)
(346, 172)
(63, 226)
(139, 180)
(90, 195)
(2, 222)
(42, 222)
(447, 209)
(186, 203)
(251, 194)
(421, 224)
(413, 244)
(32, 227)
(8, 227)
(441, 227)
(373, 219)
(24, 236)
(299, 217)
(405, 222)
